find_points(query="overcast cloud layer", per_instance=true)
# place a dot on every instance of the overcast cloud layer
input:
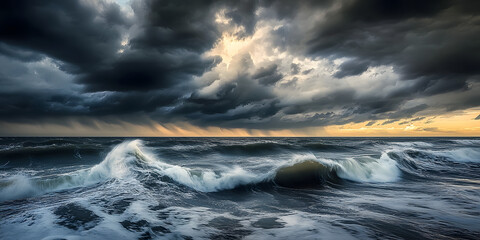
(248, 64)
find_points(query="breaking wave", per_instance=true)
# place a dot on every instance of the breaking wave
(115, 165)
(130, 160)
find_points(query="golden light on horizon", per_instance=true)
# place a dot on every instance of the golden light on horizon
(460, 123)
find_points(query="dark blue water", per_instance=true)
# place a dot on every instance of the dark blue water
(239, 188)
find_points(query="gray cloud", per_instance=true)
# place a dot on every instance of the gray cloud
(351, 68)
(295, 68)
(81, 36)
(390, 121)
(366, 60)
(417, 119)
(429, 42)
(268, 75)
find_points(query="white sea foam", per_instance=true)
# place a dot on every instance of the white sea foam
(17, 186)
(200, 180)
(368, 169)
(122, 162)
(304, 225)
(129, 158)
(115, 165)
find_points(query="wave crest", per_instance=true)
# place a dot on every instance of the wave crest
(115, 165)
(130, 160)
(307, 173)
(308, 168)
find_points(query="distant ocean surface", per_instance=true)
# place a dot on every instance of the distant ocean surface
(239, 188)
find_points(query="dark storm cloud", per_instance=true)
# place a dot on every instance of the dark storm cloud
(143, 71)
(166, 51)
(71, 31)
(19, 54)
(289, 9)
(427, 41)
(246, 97)
(351, 68)
(176, 25)
(168, 48)
(267, 75)
(243, 13)
(86, 40)
(241, 93)
(29, 106)
(432, 45)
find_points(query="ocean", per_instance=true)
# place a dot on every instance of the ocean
(239, 188)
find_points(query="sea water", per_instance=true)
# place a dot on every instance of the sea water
(239, 188)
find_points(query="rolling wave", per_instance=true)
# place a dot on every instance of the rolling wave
(428, 163)
(115, 165)
(130, 159)
(238, 187)
(367, 170)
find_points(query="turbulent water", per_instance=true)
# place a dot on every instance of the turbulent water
(233, 188)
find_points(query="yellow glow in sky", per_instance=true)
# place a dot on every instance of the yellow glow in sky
(460, 123)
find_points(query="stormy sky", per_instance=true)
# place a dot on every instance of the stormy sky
(254, 65)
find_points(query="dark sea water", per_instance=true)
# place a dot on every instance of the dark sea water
(235, 188)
